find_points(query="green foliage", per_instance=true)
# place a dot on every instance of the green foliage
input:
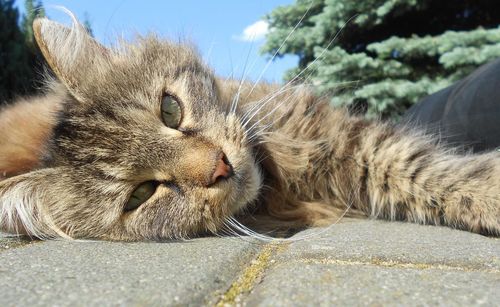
(15, 71)
(87, 24)
(391, 53)
(33, 10)
(21, 62)
(36, 61)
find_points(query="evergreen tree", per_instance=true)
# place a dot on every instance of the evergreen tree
(33, 10)
(391, 53)
(21, 61)
(15, 70)
(36, 60)
(87, 24)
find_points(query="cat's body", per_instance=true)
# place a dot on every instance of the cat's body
(239, 147)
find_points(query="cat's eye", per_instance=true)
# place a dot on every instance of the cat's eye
(171, 112)
(140, 195)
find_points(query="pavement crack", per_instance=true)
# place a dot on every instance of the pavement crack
(9, 243)
(398, 264)
(251, 275)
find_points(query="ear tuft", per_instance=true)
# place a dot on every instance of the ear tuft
(59, 46)
(70, 51)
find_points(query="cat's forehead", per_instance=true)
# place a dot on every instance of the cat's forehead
(162, 52)
(152, 57)
(149, 67)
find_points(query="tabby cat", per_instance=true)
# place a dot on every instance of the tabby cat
(144, 142)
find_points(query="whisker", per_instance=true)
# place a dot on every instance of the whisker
(263, 102)
(265, 238)
(259, 105)
(270, 113)
(242, 81)
(279, 48)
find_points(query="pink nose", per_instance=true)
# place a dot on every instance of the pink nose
(223, 169)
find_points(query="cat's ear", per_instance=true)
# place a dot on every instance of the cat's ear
(25, 200)
(71, 52)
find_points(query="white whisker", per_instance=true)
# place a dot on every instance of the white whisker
(263, 102)
(236, 97)
(279, 48)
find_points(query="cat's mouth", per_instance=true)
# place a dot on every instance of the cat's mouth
(243, 188)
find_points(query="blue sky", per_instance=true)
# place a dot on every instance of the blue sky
(217, 27)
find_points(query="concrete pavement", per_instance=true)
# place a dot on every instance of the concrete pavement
(352, 263)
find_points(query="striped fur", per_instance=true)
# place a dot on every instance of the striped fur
(97, 134)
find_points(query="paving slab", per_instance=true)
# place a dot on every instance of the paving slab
(318, 284)
(381, 263)
(69, 273)
(375, 240)
(356, 262)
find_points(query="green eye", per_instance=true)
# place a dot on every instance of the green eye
(171, 112)
(140, 195)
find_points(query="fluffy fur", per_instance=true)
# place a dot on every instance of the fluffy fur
(97, 134)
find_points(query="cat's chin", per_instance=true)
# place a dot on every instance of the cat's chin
(246, 186)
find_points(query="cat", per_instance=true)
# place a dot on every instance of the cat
(145, 142)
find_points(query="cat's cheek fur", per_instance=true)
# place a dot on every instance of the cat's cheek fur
(175, 213)
(155, 219)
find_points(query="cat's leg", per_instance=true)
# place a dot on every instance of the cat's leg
(24, 128)
(407, 176)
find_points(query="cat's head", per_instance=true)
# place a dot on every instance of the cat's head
(146, 146)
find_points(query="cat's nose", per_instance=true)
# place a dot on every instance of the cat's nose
(223, 169)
